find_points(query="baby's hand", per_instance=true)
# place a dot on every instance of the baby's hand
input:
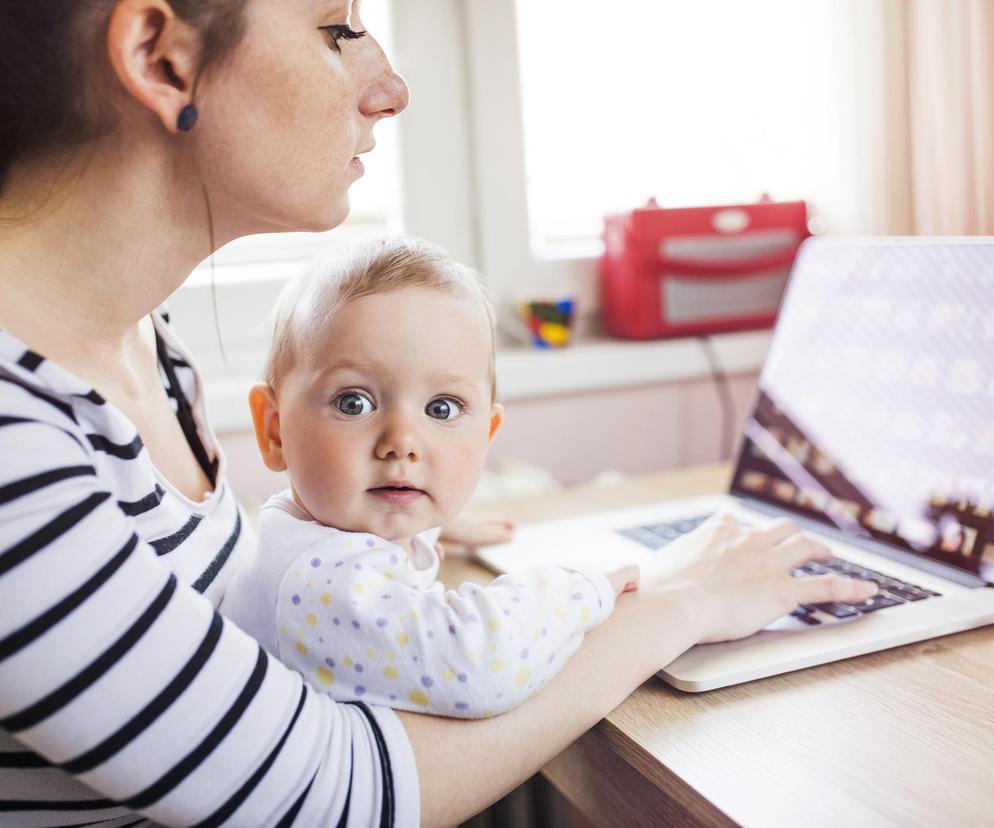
(467, 531)
(624, 579)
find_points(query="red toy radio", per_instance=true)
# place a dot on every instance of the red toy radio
(680, 272)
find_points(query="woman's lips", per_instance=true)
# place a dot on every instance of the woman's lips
(397, 496)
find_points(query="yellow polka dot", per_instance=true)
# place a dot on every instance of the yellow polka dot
(449, 674)
(325, 598)
(496, 665)
(325, 676)
(283, 630)
(390, 672)
(307, 585)
(402, 639)
(491, 648)
(301, 648)
(296, 573)
(391, 656)
(370, 653)
(523, 675)
(418, 697)
(300, 633)
(585, 615)
(311, 618)
(494, 625)
(560, 614)
(388, 575)
(543, 583)
(537, 635)
(415, 614)
(347, 662)
(359, 589)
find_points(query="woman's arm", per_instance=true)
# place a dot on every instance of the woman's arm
(720, 582)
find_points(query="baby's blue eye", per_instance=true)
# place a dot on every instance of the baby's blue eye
(353, 404)
(443, 408)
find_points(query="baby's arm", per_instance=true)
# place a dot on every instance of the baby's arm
(363, 626)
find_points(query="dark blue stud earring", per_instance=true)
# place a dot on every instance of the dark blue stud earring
(187, 119)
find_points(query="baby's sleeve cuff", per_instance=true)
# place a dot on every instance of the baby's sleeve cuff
(605, 592)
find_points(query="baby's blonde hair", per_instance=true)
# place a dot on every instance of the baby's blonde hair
(308, 303)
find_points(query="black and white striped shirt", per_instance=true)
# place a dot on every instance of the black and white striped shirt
(123, 693)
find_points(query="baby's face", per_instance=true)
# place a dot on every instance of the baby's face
(386, 417)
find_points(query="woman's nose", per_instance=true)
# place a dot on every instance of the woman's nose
(386, 93)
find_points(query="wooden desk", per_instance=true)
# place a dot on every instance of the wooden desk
(901, 737)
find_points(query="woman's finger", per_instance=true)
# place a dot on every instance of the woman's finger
(776, 531)
(824, 589)
(798, 549)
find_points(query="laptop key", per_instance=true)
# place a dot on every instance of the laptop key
(879, 601)
(804, 614)
(838, 610)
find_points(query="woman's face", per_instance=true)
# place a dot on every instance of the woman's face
(285, 118)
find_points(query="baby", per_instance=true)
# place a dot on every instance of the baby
(379, 402)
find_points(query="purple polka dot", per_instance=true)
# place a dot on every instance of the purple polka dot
(431, 633)
(426, 681)
(359, 690)
(393, 559)
(461, 705)
(472, 619)
(370, 542)
(296, 599)
(381, 622)
(393, 697)
(524, 653)
(315, 562)
(321, 641)
(328, 581)
(414, 658)
(500, 695)
(506, 612)
(386, 597)
(355, 624)
(359, 668)
(358, 566)
(335, 621)
(514, 598)
(551, 659)
(577, 596)
(330, 662)
(462, 677)
(452, 629)
(545, 632)
(338, 563)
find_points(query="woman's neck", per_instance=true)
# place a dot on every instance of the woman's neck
(90, 248)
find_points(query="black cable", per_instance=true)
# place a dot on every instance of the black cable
(725, 400)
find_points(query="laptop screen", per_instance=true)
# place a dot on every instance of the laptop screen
(875, 408)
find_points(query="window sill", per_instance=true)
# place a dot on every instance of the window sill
(593, 364)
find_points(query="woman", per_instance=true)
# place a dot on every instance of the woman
(136, 136)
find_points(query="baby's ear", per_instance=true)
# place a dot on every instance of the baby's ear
(266, 420)
(496, 418)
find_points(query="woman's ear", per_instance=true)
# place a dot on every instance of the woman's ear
(496, 418)
(155, 55)
(266, 420)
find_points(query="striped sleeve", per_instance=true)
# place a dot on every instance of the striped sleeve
(114, 672)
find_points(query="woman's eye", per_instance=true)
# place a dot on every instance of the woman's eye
(443, 408)
(339, 32)
(353, 404)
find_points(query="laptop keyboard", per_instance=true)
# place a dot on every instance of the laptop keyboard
(892, 590)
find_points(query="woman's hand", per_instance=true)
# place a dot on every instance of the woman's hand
(741, 577)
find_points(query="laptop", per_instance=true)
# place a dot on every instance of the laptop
(873, 428)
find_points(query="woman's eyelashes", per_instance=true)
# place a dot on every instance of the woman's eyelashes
(338, 32)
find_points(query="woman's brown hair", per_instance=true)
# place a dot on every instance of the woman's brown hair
(55, 78)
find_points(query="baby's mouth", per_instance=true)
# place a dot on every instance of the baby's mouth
(397, 494)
